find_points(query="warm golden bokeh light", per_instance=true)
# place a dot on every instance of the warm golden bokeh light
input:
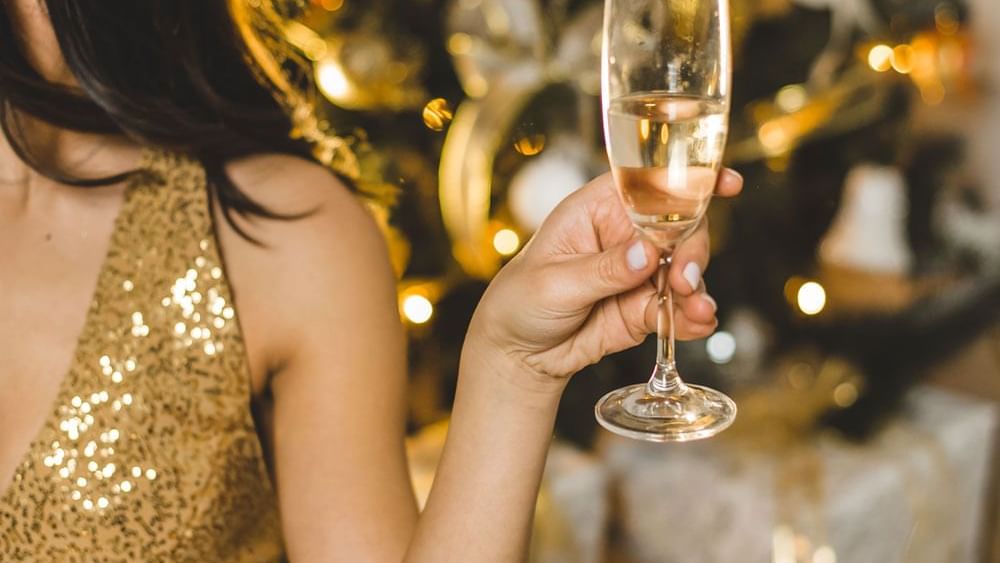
(506, 242)
(331, 79)
(902, 59)
(417, 309)
(774, 137)
(811, 298)
(791, 98)
(880, 58)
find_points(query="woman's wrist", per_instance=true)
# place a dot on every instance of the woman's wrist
(508, 374)
(501, 428)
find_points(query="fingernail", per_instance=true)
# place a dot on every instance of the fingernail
(692, 274)
(636, 257)
(734, 174)
(708, 298)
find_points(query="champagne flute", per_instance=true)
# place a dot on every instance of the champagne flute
(666, 70)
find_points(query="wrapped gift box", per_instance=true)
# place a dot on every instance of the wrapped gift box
(914, 493)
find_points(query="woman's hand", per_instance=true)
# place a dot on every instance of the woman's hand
(578, 291)
(581, 289)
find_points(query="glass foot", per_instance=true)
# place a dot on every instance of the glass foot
(693, 414)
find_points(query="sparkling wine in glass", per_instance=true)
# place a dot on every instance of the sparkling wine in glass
(666, 95)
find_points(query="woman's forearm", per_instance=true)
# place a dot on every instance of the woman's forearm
(483, 499)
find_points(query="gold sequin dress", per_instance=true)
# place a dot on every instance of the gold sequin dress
(150, 452)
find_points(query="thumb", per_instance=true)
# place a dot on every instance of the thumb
(612, 272)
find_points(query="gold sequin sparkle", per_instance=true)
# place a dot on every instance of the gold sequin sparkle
(149, 452)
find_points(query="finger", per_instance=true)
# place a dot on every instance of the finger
(626, 322)
(689, 262)
(695, 317)
(588, 279)
(699, 309)
(695, 331)
(730, 183)
(615, 324)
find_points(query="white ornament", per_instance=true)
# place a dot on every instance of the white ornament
(546, 180)
(869, 231)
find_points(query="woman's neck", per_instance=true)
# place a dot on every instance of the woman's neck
(12, 170)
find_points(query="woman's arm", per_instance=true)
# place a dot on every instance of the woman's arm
(579, 291)
(317, 304)
(483, 498)
(319, 312)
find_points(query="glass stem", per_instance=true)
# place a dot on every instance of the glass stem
(665, 379)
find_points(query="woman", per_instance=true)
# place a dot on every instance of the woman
(138, 150)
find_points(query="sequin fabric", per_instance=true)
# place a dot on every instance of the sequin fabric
(150, 451)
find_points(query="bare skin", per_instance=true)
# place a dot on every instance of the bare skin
(335, 423)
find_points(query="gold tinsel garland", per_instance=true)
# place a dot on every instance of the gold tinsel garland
(283, 69)
(266, 27)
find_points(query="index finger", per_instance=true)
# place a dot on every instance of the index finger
(730, 183)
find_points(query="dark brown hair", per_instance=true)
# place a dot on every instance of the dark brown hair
(166, 73)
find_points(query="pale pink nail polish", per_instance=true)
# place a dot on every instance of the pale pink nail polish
(692, 275)
(636, 257)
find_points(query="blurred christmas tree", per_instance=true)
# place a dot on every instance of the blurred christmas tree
(836, 285)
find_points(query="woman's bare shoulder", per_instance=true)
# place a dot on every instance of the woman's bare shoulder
(290, 184)
(319, 272)
(332, 217)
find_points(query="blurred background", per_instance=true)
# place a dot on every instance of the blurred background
(858, 277)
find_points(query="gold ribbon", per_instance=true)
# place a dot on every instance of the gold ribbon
(501, 54)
